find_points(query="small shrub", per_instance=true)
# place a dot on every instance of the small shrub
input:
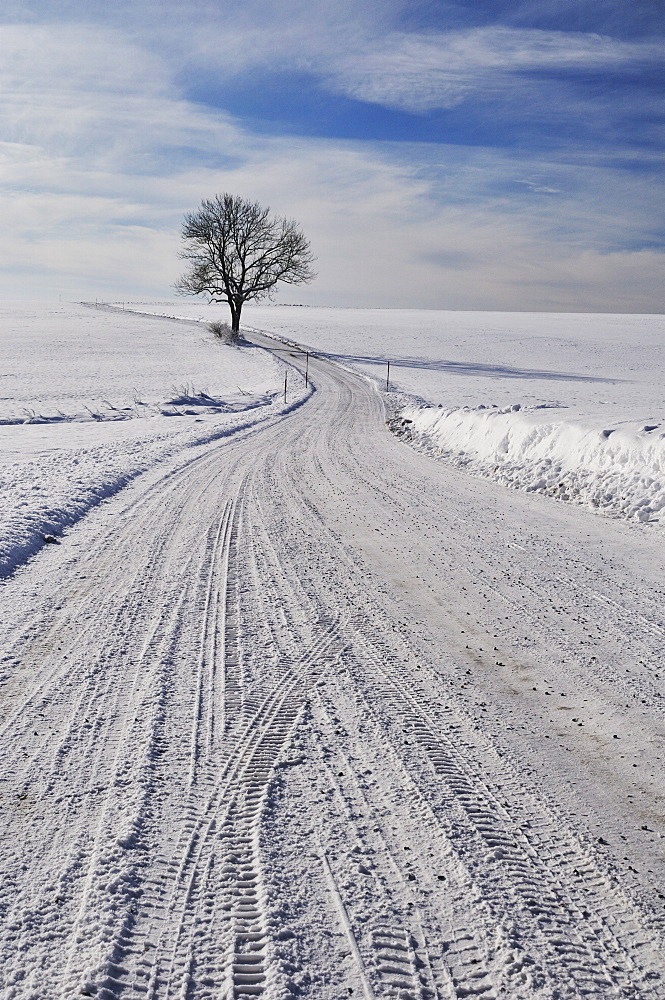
(224, 333)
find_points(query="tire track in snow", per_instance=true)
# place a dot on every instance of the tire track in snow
(554, 879)
(550, 875)
(583, 950)
(106, 973)
(117, 696)
(389, 895)
(405, 876)
(211, 644)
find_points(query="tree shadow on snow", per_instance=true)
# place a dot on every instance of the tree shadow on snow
(466, 368)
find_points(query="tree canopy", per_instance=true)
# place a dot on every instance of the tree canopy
(237, 251)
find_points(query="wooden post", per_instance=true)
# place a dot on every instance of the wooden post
(388, 377)
(307, 370)
(285, 380)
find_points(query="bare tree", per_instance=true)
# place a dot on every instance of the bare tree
(237, 252)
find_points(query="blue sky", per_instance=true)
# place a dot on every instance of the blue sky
(469, 155)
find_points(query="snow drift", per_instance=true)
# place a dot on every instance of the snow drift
(618, 469)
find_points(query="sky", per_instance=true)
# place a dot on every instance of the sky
(479, 154)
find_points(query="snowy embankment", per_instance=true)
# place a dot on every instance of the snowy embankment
(619, 469)
(90, 399)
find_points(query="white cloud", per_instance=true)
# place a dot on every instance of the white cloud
(103, 155)
(352, 46)
(421, 72)
(89, 96)
(353, 51)
(358, 49)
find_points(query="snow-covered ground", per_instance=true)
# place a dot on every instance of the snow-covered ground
(300, 712)
(568, 405)
(91, 397)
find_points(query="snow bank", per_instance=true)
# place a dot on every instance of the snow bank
(619, 469)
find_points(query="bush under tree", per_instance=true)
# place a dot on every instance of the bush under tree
(224, 333)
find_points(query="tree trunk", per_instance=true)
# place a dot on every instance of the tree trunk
(235, 315)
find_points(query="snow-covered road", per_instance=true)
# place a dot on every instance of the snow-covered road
(313, 715)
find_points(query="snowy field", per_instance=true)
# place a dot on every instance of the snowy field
(89, 398)
(567, 405)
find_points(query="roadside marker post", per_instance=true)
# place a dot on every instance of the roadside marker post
(307, 370)
(388, 377)
(285, 380)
